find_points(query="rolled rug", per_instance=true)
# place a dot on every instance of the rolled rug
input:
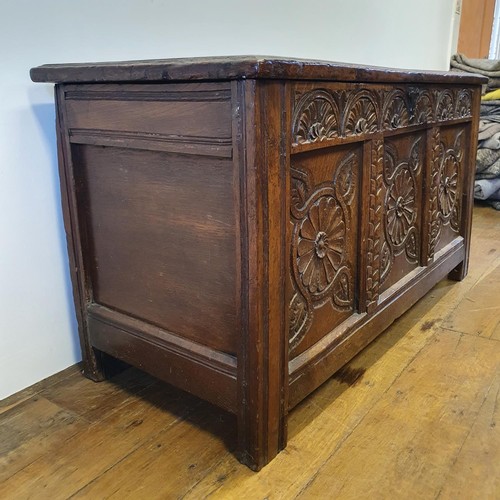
(485, 189)
(490, 106)
(493, 142)
(487, 160)
(487, 67)
(495, 196)
(487, 129)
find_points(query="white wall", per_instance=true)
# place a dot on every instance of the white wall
(37, 326)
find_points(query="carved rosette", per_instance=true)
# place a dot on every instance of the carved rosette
(320, 245)
(316, 118)
(320, 271)
(374, 243)
(401, 205)
(444, 199)
(448, 184)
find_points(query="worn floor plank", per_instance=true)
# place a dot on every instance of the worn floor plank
(21, 396)
(32, 430)
(476, 468)
(101, 445)
(94, 401)
(172, 462)
(412, 436)
(414, 415)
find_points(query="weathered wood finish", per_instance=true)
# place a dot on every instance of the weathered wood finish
(244, 238)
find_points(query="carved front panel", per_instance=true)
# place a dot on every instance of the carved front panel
(402, 167)
(324, 229)
(448, 154)
(331, 126)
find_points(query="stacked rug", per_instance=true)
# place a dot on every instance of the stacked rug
(487, 183)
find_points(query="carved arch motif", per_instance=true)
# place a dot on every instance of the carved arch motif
(423, 107)
(445, 109)
(361, 115)
(396, 110)
(463, 107)
(316, 118)
(322, 114)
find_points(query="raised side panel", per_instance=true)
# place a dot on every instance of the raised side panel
(160, 229)
(153, 234)
(182, 118)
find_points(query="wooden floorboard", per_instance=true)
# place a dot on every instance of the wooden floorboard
(415, 415)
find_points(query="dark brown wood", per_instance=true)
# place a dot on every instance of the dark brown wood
(233, 68)
(467, 201)
(263, 375)
(244, 239)
(92, 360)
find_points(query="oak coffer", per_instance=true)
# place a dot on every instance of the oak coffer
(241, 227)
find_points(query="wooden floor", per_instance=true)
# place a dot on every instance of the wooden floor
(415, 415)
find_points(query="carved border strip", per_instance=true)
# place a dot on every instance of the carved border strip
(374, 242)
(375, 225)
(323, 114)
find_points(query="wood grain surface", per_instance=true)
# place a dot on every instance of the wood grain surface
(235, 67)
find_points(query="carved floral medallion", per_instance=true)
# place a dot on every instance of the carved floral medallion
(320, 270)
(401, 206)
(444, 199)
(448, 181)
(320, 246)
(316, 118)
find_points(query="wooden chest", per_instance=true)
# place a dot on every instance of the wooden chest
(241, 227)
